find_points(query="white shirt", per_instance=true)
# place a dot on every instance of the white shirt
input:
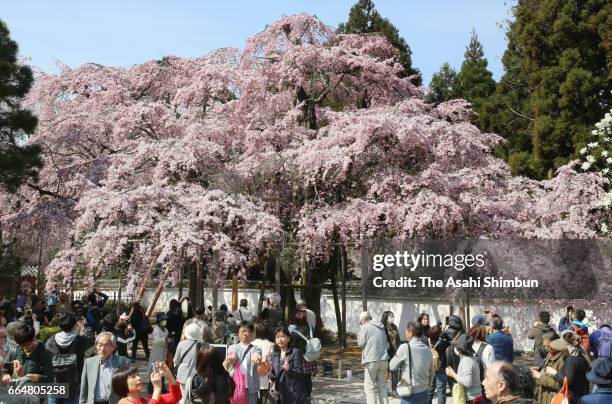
(488, 354)
(266, 353)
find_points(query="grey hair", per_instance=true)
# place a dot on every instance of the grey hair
(106, 333)
(507, 375)
(365, 315)
(301, 302)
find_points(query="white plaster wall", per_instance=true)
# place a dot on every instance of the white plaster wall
(519, 318)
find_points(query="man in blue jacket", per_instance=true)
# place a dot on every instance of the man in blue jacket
(501, 342)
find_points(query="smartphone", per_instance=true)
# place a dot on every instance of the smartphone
(446, 320)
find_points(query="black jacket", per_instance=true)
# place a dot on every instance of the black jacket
(575, 369)
(291, 384)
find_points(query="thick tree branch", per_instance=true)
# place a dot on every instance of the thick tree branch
(44, 191)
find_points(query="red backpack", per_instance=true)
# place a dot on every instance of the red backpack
(584, 336)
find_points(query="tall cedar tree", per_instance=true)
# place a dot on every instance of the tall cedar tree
(556, 84)
(443, 85)
(18, 162)
(364, 18)
(474, 82)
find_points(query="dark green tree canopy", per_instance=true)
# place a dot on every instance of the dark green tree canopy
(474, 81)
(443, 85)
(18, 162)
(557, 82)
(364, 19)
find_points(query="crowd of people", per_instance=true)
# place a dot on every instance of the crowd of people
(241, 357)
(476, 364)
(206, 356)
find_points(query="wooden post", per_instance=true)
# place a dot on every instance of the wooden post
(143, 287)
(234, 292)
(160, 288)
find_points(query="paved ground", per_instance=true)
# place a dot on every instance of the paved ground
(331, 386)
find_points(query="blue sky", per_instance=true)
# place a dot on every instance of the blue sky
(124, 33)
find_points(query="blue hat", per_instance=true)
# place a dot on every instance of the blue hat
(478, 319)
(601, 372)
(161, 317)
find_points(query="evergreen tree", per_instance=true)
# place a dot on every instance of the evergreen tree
(556, 84)
(443, 85)
(474, 82)
(18, 162)
(364, 18)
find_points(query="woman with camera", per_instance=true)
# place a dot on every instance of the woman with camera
(128, 385)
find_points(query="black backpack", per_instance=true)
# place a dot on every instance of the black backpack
(481, 363)
(65, 364)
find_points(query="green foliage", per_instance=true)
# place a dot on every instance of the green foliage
(364, 18)
(556, 84)
(18, 162)
(474, 81)
(10, 269)
(443, 85)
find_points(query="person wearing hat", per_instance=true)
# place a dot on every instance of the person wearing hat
(478, 319)
(546, 385)
(185, 357)
(500, 341)
(159, 345)
(374, 357)
(468, 371)
(200, 321)
(601, 376)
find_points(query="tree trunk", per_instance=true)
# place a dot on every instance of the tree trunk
(39, 275)
(215, 279)
(180, 282)
(193, 282)
(343, 293)
(277, 272)
(199, 283)
(118, 300)
(309, 115)
(364, 299)
(312, 293)
(333, 272)
(289, 295)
